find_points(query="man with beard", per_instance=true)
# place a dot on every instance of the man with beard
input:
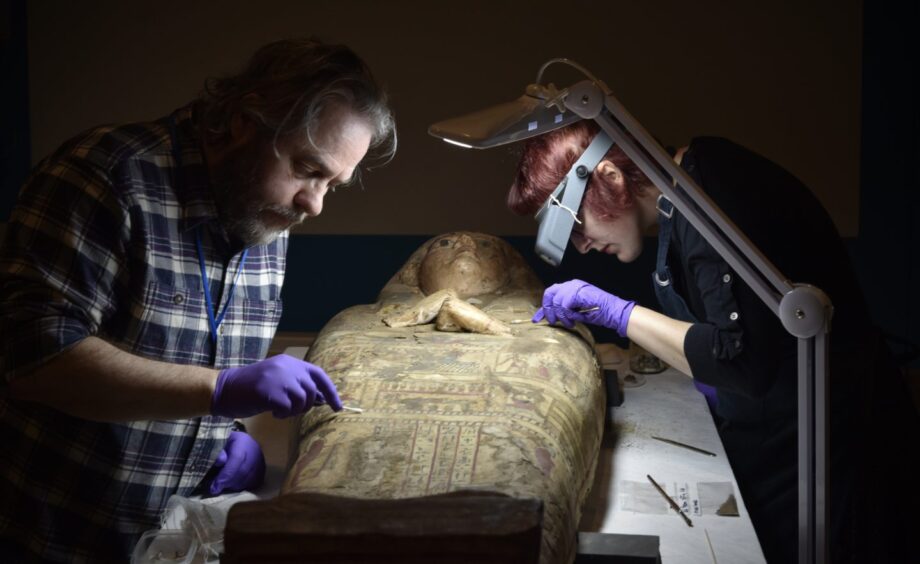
(140, 282)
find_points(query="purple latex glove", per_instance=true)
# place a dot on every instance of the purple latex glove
(281, 384)
(241, 463)
(711, 396)
(570, 301)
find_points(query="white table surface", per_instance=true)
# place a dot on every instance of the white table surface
(667, 405)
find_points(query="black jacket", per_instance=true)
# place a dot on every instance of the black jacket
(740, 347)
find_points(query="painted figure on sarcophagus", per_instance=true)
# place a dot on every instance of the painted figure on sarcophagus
(459, 389)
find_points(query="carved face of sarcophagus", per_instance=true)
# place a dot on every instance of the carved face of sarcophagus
(460, 391)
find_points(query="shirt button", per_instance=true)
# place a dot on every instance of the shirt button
(727, 278)
(178, 299)
(220, 330)
(733, 316)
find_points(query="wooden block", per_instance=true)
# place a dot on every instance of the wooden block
(610, 548)
(457, 527)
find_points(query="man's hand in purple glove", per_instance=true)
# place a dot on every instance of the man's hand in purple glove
(241, 463)
(281, 384)
(576, 300)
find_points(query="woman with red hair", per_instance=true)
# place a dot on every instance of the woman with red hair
(712, 327)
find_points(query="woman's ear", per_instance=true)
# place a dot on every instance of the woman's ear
(611, 173)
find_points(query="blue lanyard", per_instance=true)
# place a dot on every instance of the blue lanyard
(212, 320)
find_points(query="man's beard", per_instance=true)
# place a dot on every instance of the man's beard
(238, 191)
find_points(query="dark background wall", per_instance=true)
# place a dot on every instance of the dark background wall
(887, 251)
(824, 88)
(781, 77)
(15, 135)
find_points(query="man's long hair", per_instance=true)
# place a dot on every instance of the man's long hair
(286, 86)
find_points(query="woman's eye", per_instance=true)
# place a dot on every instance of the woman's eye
(444, 243)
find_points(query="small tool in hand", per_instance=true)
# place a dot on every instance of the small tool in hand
(320, 400)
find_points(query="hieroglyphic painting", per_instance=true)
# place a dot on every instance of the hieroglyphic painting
(521, 414)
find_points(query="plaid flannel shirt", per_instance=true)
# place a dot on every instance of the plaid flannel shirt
(103, 242)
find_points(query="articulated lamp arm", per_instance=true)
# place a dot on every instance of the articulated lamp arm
(804, 311)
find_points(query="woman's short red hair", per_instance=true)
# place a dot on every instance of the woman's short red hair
(548, 157)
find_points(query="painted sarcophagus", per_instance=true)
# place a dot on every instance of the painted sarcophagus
(459, 391)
